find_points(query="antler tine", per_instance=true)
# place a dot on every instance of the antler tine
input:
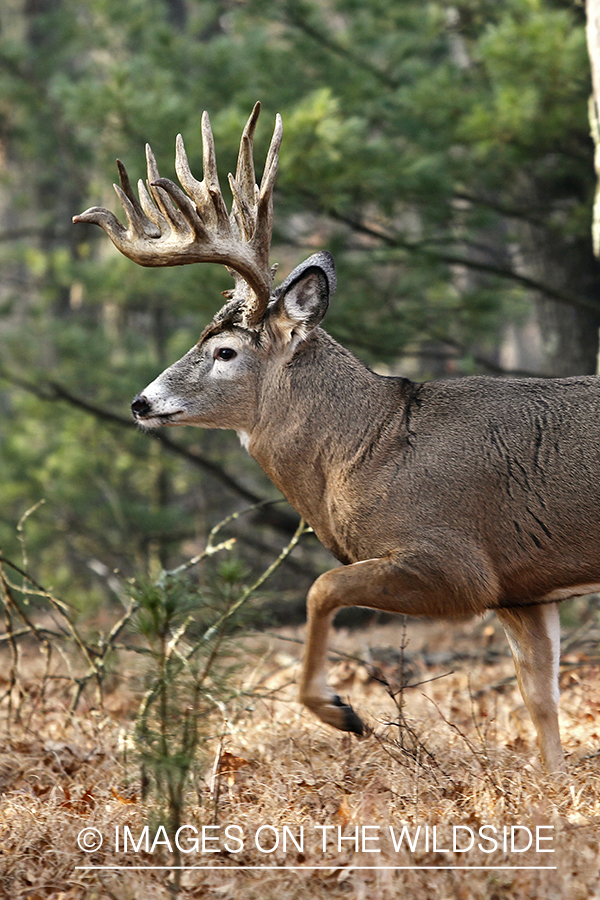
(170, 215)
(139, 216)
(167, 227)
(244, 173)
(243, 186)
(265, 198)
(261, 239)
(211, 177)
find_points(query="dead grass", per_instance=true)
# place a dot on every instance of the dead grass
(467, 758)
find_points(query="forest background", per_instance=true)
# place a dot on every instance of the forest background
(441, 153)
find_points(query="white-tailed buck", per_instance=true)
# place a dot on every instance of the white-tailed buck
(444, 499)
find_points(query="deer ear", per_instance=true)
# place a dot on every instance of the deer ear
(303, 298)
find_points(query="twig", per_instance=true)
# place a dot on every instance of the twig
(302, 528)
(14, 647)
(485, 765)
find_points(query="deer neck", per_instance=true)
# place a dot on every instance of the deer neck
(316, 416)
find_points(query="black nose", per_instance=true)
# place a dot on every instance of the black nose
(140, 406)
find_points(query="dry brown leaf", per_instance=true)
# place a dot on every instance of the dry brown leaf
(229, 763)
(124, 800)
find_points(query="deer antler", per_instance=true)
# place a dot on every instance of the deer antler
(167, 227)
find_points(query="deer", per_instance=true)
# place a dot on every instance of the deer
(442, 499)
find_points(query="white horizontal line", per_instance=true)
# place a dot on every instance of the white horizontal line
(311, 868)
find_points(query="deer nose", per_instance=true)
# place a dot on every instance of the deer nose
(140, 406)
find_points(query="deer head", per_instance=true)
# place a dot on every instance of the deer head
(258, 326)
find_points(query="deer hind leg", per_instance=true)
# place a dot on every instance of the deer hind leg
(424, 579)
(533, 634)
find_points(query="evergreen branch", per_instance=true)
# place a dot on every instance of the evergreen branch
(510, 212)
(297, 18)
(452, 355)
(394, 241)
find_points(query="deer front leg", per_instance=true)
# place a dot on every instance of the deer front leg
(533, 634)
(444, 579)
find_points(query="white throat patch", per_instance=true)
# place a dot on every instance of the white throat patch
(244, 439)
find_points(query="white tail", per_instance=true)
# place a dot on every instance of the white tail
(444, 499)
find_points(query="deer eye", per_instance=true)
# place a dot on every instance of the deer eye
(225, 353)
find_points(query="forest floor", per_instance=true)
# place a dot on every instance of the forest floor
(283, 807)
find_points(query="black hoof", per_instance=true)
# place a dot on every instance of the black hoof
(351, 720)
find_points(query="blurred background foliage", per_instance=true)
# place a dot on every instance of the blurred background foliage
(440, 151)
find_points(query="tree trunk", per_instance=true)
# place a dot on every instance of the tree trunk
(593, 42)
